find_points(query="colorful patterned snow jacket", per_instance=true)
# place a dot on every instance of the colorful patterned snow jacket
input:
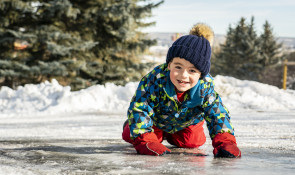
(155, 103)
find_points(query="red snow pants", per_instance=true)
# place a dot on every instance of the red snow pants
(190, 137)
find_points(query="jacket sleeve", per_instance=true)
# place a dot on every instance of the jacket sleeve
(216, 114)
(141, 106)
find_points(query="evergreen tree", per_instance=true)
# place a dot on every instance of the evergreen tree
(222, 57)
(291, 71)
(271, 71)
(78, 42)
(239, 54)
(269, 48)
(251, 67)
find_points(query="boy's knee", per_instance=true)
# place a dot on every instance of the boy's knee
(188, 138)
(192, 142)
(126, 133)
(196, 140)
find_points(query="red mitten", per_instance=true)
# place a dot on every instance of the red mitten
(148, 144)
(225, 145)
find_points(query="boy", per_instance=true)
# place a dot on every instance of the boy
(174, 99)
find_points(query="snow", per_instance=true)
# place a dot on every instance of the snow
(51, 97)
(49, 129)
(240, 95)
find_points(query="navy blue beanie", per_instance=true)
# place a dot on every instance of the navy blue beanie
(194, 49)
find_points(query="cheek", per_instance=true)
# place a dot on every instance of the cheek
(195, 80)
(173, 75)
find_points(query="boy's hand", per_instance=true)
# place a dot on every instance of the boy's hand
(227, 150)
(225, 146)
(148, 144)
(152, 148)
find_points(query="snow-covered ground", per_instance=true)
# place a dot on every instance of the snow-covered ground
(52, 98)
(48, 129)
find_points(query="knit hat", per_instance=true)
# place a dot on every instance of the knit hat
(195, 49)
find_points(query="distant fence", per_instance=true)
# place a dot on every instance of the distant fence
(286, 64)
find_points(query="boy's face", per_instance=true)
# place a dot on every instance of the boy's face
(183, 74)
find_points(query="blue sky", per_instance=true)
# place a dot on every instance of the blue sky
(180, 15)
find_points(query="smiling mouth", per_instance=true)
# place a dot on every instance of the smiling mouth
(182, 82)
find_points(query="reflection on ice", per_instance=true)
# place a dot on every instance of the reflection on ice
(92, 144)
(116, 157)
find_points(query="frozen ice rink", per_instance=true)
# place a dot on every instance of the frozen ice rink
(91, 144)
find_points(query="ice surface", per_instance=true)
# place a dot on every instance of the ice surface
(92, 144)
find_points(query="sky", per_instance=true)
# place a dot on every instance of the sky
(181, 15)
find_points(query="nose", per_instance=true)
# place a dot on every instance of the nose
(184, 74)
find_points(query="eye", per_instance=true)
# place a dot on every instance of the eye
(177, 67)
(193, 71)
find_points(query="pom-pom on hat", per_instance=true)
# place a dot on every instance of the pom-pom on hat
(201, 29)
(195, 49)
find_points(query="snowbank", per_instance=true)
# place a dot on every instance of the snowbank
(50, 97)
(250, 95)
